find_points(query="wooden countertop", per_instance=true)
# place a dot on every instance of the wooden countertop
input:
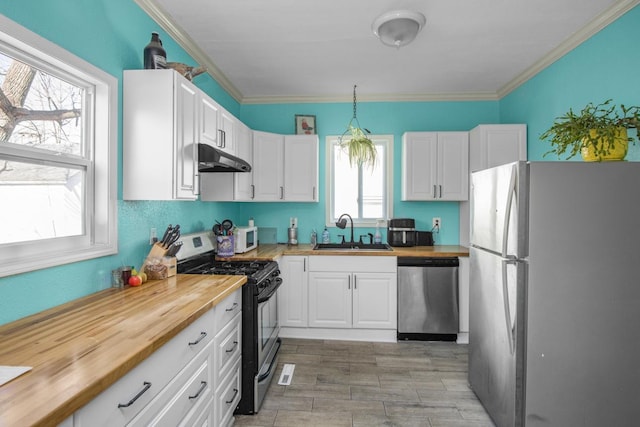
(80, 348)
(273, 252)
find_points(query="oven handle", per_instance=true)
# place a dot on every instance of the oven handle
(278, 281)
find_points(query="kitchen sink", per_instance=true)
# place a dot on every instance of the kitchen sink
(352, 247)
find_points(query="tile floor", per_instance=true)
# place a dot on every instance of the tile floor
(364, 384)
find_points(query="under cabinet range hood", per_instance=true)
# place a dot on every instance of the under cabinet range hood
(211, 159)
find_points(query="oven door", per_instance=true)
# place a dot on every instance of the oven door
(268, 326)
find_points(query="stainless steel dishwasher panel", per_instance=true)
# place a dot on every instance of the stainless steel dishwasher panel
(428, 298)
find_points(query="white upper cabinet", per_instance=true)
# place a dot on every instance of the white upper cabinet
(231, 186)
(165, 116)
(243, 144)
(495, 145)
(435, 166)
(268, 166)
(209, 112)
(285, 168)
(225, 135)
(216, 125)
(301, 168)
(489, 146)
(160, 136)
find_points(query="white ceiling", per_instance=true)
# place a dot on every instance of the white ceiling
(314, 51)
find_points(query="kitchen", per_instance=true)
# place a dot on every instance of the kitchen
(124, 30)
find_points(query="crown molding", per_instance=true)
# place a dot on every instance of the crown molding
(159, 15)
(453, 96)
(580, 36)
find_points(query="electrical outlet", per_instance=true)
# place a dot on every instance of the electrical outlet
(294, 222)
(153, 236)
(437, 223)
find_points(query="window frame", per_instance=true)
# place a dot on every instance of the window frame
(330, 142)
(99, 156)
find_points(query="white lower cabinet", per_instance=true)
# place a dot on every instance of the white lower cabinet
(352, 300)
(180, 383)
(293, 293)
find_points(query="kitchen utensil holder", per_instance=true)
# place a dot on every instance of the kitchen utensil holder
(225, 246)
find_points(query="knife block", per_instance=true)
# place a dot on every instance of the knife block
(157, 252)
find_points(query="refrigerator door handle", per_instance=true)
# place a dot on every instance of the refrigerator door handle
(507, 213)
(511, 327)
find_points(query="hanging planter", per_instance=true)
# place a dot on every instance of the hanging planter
(355, 142)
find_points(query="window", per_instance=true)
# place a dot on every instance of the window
(362, 192)
(57, 155)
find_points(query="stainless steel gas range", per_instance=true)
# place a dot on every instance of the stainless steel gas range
(260, 327)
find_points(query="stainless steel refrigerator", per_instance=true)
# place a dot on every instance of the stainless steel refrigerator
(554, 316)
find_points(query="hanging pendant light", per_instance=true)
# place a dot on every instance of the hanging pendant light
(355, 142)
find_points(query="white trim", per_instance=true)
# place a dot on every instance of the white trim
(372, 335)
(102, 96)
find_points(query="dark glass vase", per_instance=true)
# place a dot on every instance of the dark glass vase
(155, 56)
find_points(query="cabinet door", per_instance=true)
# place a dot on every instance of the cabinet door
(495, 145)
(208, 128)
(293, 293)
(374, 300)
(243, 142)
(419, 165)
(453, 166)
(186, 148)
(227, 122)
(268, 159)
(301, 168)
(329, 300)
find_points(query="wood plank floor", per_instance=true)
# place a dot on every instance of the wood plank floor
(358, 384)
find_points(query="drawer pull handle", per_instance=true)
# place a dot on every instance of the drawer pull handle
(235, 344)
(235, 393)
(196, 342)
(203, 385)
(147, 386)
(233, 307)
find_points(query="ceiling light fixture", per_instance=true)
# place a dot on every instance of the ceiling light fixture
(398, 28)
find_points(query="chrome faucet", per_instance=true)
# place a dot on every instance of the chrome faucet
(342, 224)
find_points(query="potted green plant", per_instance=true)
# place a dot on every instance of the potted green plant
(598, 132)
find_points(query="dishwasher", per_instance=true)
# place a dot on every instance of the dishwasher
(427, 299)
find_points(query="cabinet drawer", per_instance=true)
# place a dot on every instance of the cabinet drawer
(120, 403)
(227, 349)
(227, 396)
(379, 264)
(187, 392)
(202, 417)
(227, 309)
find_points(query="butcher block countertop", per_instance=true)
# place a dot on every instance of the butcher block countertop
(273, 252)
(80, 348)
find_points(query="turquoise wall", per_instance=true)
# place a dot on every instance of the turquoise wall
(111, 34)
(604, 66)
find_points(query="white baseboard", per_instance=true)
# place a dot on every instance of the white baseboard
(463, 338)
(373, 335)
